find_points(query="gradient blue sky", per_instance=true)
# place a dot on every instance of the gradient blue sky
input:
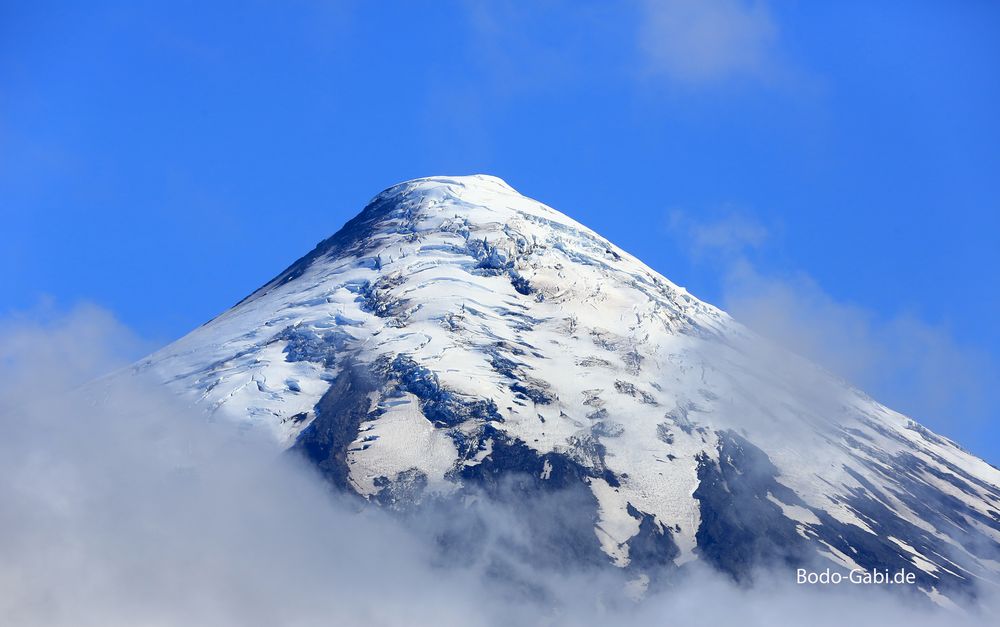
(828, 168)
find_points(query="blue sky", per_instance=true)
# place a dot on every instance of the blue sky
(828, 170)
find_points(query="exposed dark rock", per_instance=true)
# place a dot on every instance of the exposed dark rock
(521, 383)
(652, 550)
(608, 429)
(308, 344)
(549, 494)
(741, 529)
(377, 297)
(493, 261)
(402, 493)
(664, 434)
(339, 413)
(443, 407)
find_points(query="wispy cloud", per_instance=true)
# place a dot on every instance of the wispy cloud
(731, 236)
(705, 41)
(909, 364)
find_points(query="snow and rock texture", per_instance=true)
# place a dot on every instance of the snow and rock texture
(456, 335)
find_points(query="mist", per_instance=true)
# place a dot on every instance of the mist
(913, 365)
(122, 505)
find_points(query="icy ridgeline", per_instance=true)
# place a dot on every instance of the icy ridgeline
(457, 336)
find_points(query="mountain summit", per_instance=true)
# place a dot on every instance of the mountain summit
(458, 336)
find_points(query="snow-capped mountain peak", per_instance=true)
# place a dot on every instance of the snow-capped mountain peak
(456, 332)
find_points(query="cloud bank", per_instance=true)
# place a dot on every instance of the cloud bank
(123, 506)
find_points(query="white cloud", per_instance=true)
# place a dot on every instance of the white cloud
(79, 345)
(732, 235)
(704, 41)
(910, 365)
(121, 506)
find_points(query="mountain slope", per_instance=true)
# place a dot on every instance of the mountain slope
(456, 335)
